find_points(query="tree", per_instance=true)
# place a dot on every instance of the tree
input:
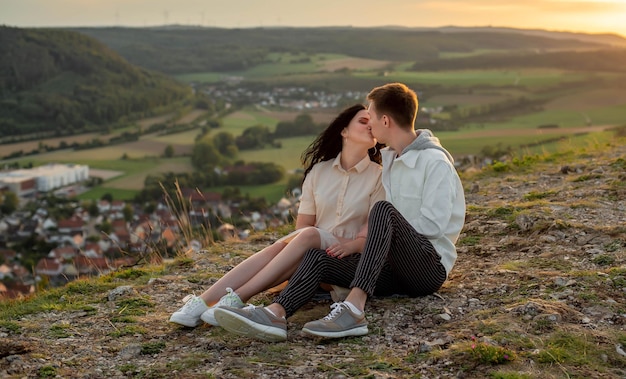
(169, 151)
(106, 227)
(225, 144)
(128, 212)
(93, 209)
(254, 137)
(294, 181)
(205, 155)
(10, 202)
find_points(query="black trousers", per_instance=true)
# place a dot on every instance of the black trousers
(396, 260)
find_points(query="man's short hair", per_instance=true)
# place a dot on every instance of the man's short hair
(397, 101)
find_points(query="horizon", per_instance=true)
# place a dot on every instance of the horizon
(572, 16)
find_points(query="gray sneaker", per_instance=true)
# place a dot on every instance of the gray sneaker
(254, 322)
(231, 299)
(340, 322)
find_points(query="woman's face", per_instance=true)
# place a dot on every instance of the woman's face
(358, 130)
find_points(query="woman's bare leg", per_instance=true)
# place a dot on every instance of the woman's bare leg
(242, 273)
(282, 266)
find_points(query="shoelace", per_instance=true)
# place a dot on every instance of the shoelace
(188, 297)
(335, 311)
(231, 296)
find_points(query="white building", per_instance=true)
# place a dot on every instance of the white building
(20, 184)
(50, 176)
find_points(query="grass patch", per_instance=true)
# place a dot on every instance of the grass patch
(563, 347)
(278, 354)
(587, 177)
(129, 274)
(133, 275)
(128, 330)
(124, 319)
(483, 353)
(538, 195)
(187, 363)
(128, 368)
(47, 372)
(10, 326)
(604, 260)
(150, 348)
(469, 241)
(59, 331)
(63, 299)
(87, 287)
(538, 263)
(135, 306)
(503, 212)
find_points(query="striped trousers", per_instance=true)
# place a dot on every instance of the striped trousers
(396, 259)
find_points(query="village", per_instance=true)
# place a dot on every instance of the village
(94, 239)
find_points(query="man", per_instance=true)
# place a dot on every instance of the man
(409, 246)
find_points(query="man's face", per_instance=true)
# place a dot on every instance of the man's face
(376, 123)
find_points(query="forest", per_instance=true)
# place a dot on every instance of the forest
(56, 83)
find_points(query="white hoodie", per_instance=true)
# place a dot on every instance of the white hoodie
(423, 185)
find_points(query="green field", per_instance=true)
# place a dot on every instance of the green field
(287, 156)
(236, 123)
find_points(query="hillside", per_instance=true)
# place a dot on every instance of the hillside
(176, 50)
(56, 82)
(539, 291)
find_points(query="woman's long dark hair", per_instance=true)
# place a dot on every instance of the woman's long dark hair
(328, 144)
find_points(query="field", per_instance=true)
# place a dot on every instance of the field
(583, 106)
(290, 64)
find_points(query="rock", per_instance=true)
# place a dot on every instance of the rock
(121, 291)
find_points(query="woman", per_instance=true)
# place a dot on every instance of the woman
(342, 181)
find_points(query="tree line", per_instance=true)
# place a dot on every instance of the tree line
(184, 50)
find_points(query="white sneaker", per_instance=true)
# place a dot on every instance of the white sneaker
(189, 314)
(231, 299)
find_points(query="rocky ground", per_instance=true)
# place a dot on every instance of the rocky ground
(538, 291)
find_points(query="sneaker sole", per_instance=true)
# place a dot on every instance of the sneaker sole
(358, 331)
(209, 318)
(185, 322)
(240, 325)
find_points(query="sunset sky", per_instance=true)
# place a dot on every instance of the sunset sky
(599, 16)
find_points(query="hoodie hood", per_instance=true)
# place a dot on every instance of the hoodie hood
(426, 140)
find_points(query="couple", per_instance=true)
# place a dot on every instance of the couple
(401, 245)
